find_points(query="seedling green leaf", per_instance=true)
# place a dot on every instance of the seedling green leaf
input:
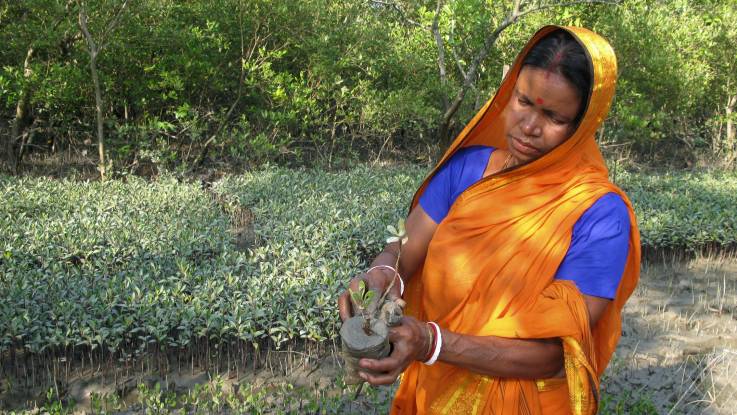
(119, 265)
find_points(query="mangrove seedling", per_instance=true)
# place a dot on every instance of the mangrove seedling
(396, 234)
(366, 335)
(363, 297)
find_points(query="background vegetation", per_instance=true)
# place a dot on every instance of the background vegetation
(331, 81)
(127, 269)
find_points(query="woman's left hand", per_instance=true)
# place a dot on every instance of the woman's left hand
(410, 340)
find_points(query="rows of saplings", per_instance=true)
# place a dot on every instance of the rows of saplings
(142, 275)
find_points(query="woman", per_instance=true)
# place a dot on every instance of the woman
(521, 253)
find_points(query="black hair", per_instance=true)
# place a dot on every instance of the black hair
(560, 52)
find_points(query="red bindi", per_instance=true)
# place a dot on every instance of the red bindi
(539, 101)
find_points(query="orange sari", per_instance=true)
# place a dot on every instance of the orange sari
(490, 266)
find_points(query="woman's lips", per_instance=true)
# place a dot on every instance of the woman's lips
(523, 148)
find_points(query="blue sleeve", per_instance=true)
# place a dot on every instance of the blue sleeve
(463, 169)
(435, 200)
(599, 246)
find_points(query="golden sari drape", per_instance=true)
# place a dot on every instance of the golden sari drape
(490, 266)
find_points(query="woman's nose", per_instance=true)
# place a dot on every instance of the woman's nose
(531, 125)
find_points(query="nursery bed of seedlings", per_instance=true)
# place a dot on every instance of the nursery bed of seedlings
(150, 276)
(684, 212)
(108, 273)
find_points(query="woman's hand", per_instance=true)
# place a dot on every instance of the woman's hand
(411, 341)
(420, 228)
(378, 279)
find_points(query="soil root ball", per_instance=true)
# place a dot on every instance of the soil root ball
(358, 344)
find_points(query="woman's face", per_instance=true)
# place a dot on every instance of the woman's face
(541, 113)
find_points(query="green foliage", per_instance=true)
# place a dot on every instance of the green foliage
(666, 71)
(105, 403)
(105, 264)
(397, 233)
(684, 211)
(330, 80)
(362, 297)
(271, 398)
(127, 266)
(122, 266)
(296, 81)
(155, 401)
(626, 403)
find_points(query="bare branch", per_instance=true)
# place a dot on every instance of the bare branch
(435, 29)
(515, 8)
(473, 68)
(457, 58)
(113, 23)
(451, 44)
(401, 11)
(110, 27)
(85, 31)
(515, 14)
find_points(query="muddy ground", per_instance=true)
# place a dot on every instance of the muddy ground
(679, 343)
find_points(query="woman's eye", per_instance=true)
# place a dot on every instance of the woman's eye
(557, 121)
(523, 102)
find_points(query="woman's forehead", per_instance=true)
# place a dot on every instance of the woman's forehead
(547, 88)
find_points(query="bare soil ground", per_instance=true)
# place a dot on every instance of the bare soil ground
(679, 343)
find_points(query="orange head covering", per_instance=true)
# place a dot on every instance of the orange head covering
(490, 266)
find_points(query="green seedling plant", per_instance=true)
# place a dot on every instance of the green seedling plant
(397, 234)
(363, 296)
(362, 299)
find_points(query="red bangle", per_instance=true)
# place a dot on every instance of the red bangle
(434, 336)
(437, 344)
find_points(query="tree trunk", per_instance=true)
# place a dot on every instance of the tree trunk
(444, 131)
(22, 111)
(729, 139)
(98, 113)
(94, 50)
(442, 71)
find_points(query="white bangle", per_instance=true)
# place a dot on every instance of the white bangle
(389, 267)
(438, 344)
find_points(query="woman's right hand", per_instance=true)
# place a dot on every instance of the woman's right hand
(378, 279)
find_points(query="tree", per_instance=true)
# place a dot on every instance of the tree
(468, 73)
(724, 18)
(41, 27)
(94, 49)
(330, 81)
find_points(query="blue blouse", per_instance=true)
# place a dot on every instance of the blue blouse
(600, 241)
